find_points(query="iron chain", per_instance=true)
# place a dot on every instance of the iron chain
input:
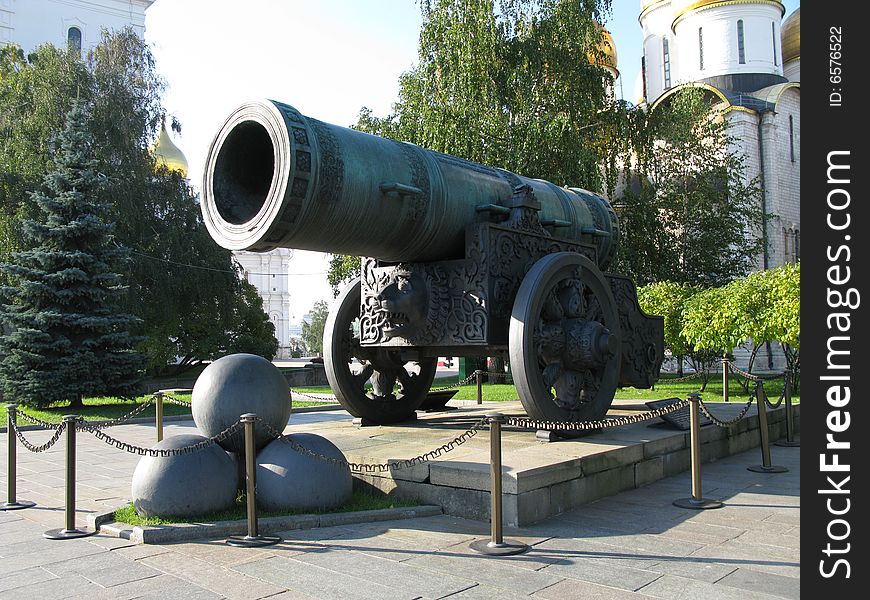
(33, 447)
(173, 400)
(770, 404)
(39, 422)
(720, 422)
(528, 423)
(752, 376)
(313, 397)
(120, 420)
(381, 467)
(132, 449)
(690, 376)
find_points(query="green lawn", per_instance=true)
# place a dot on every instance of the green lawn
(358, 501)
(98, 409)
(664, 388)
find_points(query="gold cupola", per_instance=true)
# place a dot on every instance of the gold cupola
(606, 56)
(791, 36)
(166, 153)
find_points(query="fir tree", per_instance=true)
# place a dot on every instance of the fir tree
(64, 339)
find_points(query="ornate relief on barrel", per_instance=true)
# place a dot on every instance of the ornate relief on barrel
(331, 176)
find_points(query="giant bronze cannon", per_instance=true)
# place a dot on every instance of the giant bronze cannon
(458, 259)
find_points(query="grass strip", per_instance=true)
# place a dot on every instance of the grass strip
(358, 501)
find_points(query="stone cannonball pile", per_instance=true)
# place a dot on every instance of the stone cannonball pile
(207, 480)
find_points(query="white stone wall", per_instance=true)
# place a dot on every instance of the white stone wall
(792, 70)
(761, 35)
(743, 128)
(30, 23)
(268, 272)
(784, 177)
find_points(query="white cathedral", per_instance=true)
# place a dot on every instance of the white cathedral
(747, 58)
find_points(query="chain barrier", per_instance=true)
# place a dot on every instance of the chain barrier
(753, 377)
(694, 375)
(99, 424)
(381, 467)
(455, 385)
(58, 431)
(173, 400)
(120, 420)
(722, 423)
(528, 423)
(689, 377)
(770, 404)
(38, 422)
(132, 449)
(320, 397)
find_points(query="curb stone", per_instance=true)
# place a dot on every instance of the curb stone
(161, 534)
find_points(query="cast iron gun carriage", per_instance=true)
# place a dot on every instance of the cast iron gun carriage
(459, 259)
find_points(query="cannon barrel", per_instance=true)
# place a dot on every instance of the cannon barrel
(276, 178)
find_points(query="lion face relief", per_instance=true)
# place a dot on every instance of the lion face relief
(404, 301)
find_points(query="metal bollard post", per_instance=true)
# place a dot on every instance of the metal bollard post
(70, 531)
(253, 539)
(158, 414)
(725, 379)
(11, 466)
(761, 403)
(789, 441)
(479, 376)
(697, 501)
(497, 546)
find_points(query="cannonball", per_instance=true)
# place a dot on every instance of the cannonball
(290, 480)
(186, 485)
(237, 384)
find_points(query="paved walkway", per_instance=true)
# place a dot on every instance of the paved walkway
(634, 545)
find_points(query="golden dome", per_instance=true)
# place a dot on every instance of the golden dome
(682, 7)
(167, 154)
(791, 36)
(607, 48)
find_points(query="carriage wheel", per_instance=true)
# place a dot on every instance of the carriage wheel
(398, 387)
(565, 340)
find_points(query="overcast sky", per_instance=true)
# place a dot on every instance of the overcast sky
(327, 58)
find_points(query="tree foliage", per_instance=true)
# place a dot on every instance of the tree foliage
(342, 269)
(67, 338)
(185, 289)
(760, 308)
(668, 299)
(694, 216)
(506, 83)
(312, 331)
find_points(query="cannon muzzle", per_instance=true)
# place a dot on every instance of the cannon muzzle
(276, 178)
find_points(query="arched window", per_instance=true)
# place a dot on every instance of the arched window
(701, 47)
(666, 60)
(791, 136)
(741, 46)
(74, 39)
(773, 38)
